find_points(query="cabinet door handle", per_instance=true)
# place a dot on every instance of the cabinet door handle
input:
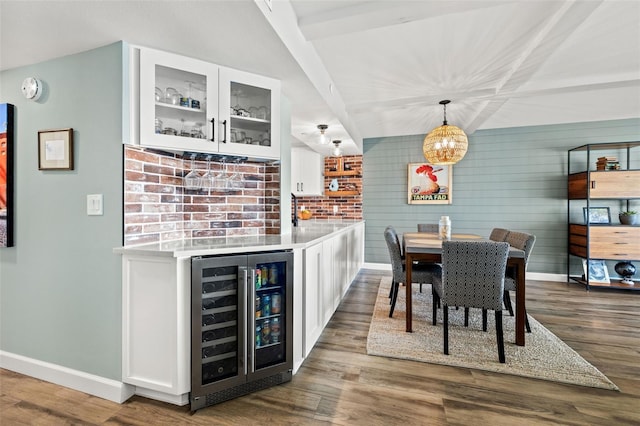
(224, 139)
(593, 184)
(251, 328)
(302, 186)
(621, 243)
(213, 129)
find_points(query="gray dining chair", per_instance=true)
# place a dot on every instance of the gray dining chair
(423, 274)
(473, 275)
(499, 234)
(525, 242)
(428, 227)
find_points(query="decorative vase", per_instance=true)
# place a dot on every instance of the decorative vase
(628, 219)
(626, 270)
(333, 186)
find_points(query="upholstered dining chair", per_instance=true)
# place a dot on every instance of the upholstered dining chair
(473, 274)
(499, 234)
(428, 227)
(423, 274)
(525, 242)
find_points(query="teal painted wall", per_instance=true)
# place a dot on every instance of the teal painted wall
(60, 286)
(513, 178)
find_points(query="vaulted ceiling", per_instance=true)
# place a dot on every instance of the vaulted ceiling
(375, 68)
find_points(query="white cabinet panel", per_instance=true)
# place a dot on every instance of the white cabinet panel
(156, 329)
(313, 272)
(306, 172)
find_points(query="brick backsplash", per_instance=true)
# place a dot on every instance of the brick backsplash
(158, 208)
(349, 206)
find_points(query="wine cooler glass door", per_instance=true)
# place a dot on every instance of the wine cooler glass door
(218, 312)
(271, 326)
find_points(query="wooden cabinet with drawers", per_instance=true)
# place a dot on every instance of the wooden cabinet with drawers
(607, 176)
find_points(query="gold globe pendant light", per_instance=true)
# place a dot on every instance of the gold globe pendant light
(445, 144)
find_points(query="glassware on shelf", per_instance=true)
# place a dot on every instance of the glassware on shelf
(196, 131)
(158, 126)
(159, 95)
(192, 179)
(263, 113)
(183, 130)
(253, 112)
(171, 96)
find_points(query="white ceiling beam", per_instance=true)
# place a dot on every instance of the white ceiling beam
(377, 14)
(558, 28)
(283, 20)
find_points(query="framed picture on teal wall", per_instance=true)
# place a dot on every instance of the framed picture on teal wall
(6, 175)
(429, 184)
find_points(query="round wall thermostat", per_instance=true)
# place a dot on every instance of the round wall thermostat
(32, 88)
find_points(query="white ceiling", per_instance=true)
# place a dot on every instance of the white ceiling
(375, 68)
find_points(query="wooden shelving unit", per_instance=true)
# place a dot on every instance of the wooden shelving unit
(340, 193)
(342, 173)
(587, 187)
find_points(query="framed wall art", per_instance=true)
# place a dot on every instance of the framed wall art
(55, 149)
(600, 215)
(7, 175)
(429, 184)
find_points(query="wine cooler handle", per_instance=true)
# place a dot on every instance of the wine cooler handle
(251, 314)
(213, 129)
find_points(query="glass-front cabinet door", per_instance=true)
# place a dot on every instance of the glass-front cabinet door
(251, 104)
(191, 105)
(178, 102)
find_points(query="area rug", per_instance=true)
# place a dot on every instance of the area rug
(544, 355)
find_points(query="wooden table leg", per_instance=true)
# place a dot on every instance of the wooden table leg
(407, 285)
(521, 310)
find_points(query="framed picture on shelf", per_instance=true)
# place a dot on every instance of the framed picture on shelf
(596, 271)
(598, 215)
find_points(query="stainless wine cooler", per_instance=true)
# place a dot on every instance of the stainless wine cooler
(241, 325)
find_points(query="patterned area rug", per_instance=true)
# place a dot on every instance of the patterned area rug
(544, 356)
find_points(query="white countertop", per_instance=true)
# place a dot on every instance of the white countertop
(307, 233)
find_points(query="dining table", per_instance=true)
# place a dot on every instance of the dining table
(427, 246)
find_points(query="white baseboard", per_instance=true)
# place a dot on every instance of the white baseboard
(536, 276)
(101, 387)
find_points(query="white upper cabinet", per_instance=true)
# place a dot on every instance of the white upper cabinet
(306, 172)
(191, 105)
(250, 114)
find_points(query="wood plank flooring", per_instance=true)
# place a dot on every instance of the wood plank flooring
(340, 384)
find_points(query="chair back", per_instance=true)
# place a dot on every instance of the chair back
(393, 245)
(427, 227)
(473, 273)
(499, 234)
(522, 241)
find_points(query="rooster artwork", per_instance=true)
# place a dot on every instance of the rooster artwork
(429, 184)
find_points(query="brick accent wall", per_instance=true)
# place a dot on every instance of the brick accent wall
(158, 208)
(349, 206)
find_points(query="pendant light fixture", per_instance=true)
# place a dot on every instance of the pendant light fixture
(323, 138)
(445, 144)
(336, 151)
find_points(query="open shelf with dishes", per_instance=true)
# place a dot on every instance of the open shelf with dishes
(603, 178)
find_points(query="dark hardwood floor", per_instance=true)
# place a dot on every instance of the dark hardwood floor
(340, 384)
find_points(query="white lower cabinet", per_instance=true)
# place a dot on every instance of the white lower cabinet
(330, 267)
(156, 335)
(313, 272)
(156, 310)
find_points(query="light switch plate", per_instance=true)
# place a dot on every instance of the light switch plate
(94, 205)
